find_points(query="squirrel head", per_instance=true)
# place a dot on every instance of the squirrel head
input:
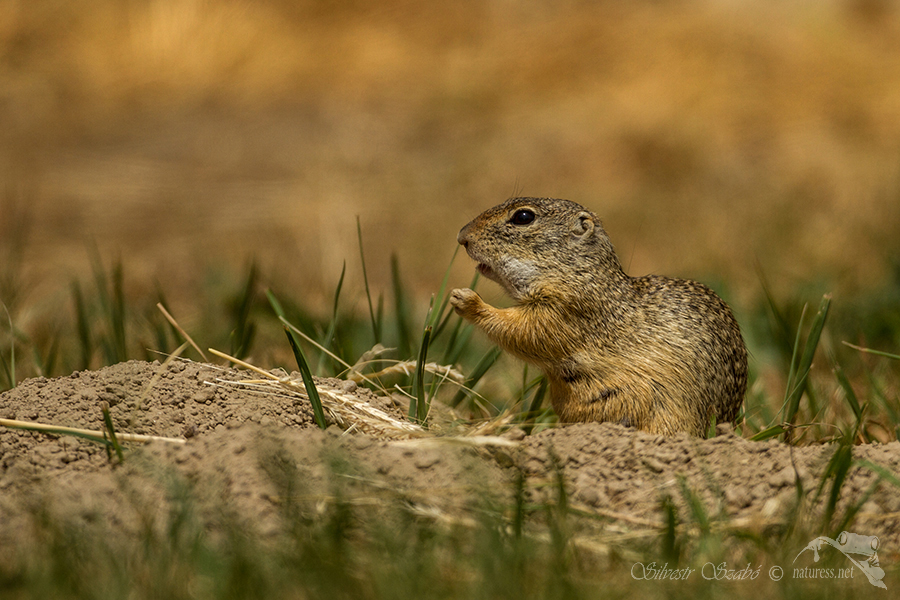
(539, 245)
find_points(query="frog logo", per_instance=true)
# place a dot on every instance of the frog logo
(852, 543)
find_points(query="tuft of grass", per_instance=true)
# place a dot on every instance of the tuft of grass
(836, 472)
(105, 326)
(798, 377)
(308, 382)
(530, 417)
(101, 325)
(850, 395)
(484, 365)
(302, 364)
(111, 298)
(798, 374)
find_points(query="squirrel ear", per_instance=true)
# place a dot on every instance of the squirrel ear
(583, 225)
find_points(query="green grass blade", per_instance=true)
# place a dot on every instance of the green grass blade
(275, 304)
(6, 373)
(457, 345)
(302, 364)
(449, 348)
(46, 364)
(462, 333)
(770, 432)
(854, 508)
(531, 415)
(337, 291)
(85, 436)
(401, 310)
(487, 361)
(757, 414)
(559, 531)
(795, 355)
(849, 394)
(809, 351)
(379, 316)
(782, 331)
(332, 326)
(837, 470)
(698, 511)
(538, 399)
(520, 512)
(671, 548)
(711, 428)
(419, 409)
(871, 351)
(244, 330)
(308, 383)
(525, 387)
(450, 313)
(438, 321)
(881, 397)
(882, 472)
(100, 280)
(376, 330)
(111, 296)
(111, 431)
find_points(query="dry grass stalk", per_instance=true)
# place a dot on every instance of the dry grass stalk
(58, 429)
(355, 372)
(181, 330)
(465, 440)
(351, 413)
(334, 356)
(344, 409)
(407, 367)
(491, 426)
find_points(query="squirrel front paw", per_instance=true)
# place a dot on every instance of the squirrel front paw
(465, 302)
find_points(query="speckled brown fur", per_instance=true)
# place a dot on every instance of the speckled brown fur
(660, 354)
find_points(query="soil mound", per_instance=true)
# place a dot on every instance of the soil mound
(239, 443)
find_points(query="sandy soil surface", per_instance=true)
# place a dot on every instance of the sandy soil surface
(235, 435)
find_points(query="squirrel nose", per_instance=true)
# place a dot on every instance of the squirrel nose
(463, 237)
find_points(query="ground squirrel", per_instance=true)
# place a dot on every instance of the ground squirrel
(660, 354)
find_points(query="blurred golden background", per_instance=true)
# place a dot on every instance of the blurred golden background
(715, 138)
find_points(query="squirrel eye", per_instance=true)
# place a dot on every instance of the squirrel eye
(522, 217)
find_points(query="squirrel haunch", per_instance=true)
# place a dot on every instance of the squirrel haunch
(660, 354)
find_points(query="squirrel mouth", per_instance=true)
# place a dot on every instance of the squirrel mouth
(485, 270)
